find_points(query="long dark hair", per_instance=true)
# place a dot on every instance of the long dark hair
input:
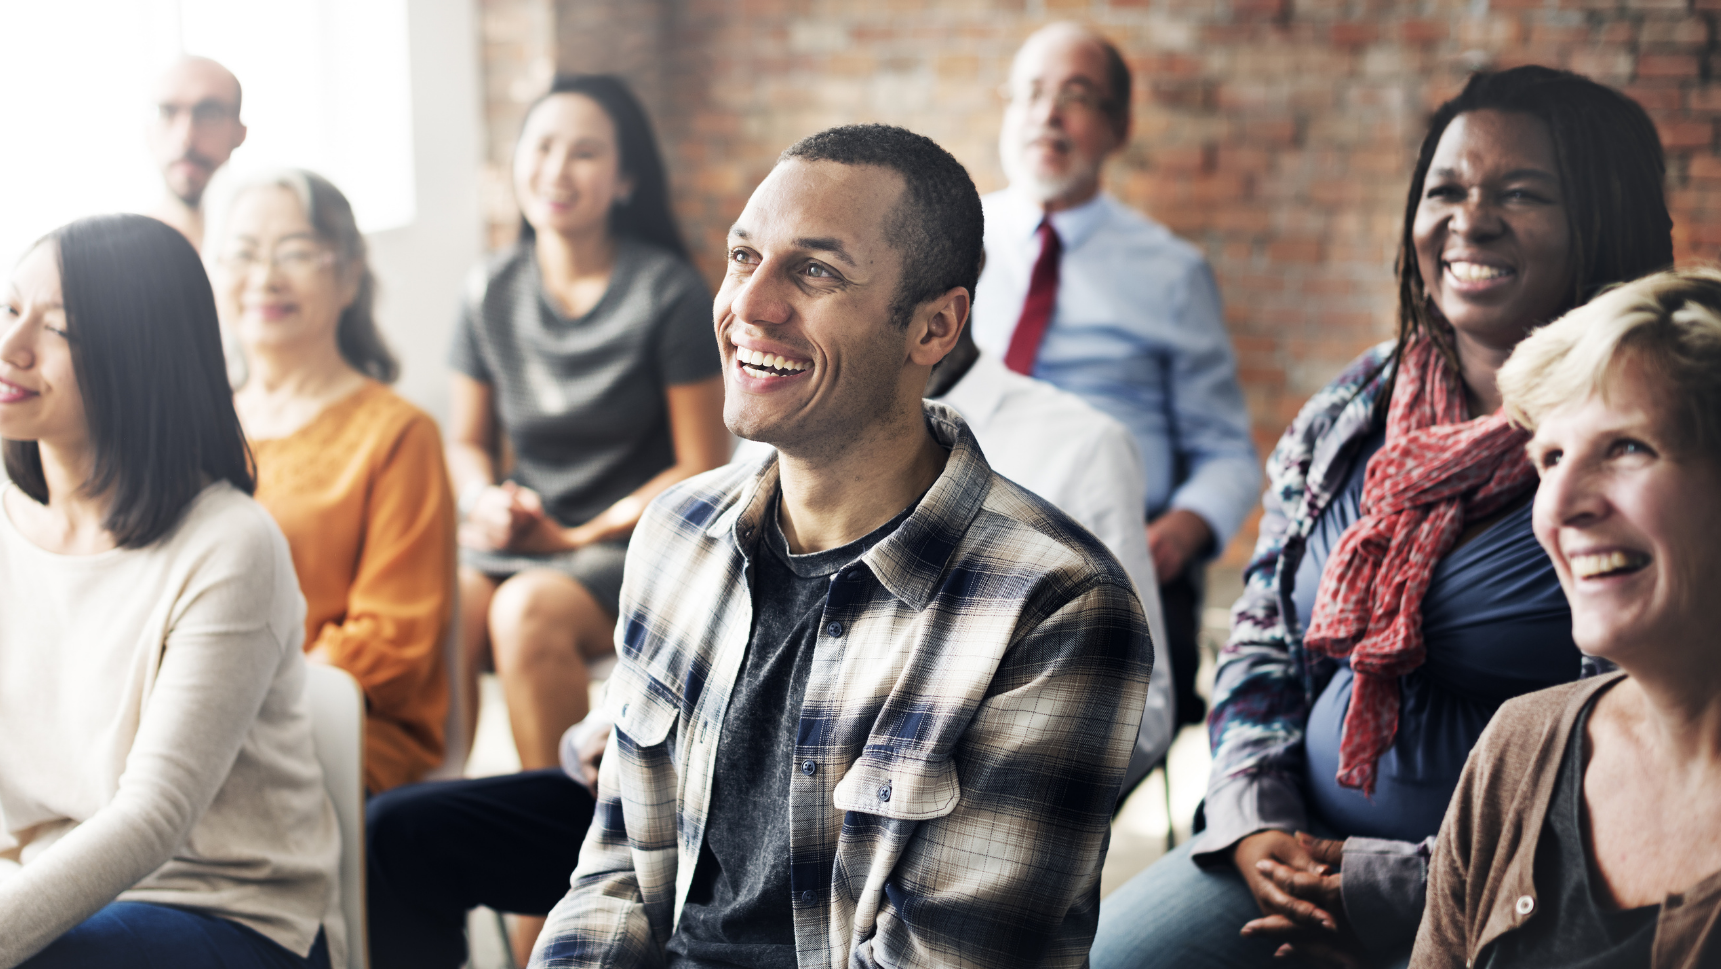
(331, 216)
(646, 215)
(146, 349)
(1612, 175)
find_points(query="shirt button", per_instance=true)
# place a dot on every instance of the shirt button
(808, 767)
(807, 896)
(834, 629)
(1525, 905)
(884, 793)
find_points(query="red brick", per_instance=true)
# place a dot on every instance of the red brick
(1667, 65)
(1689, 32)
(1353, 34)
(1423, 31)
(1303, 250)
(1656, 98)
(1686, 134)
(1705, 98)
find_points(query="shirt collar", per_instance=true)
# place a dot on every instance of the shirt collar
(909, 561)
(1073, 226)
(980, 392)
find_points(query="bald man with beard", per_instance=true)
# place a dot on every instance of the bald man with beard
(194, 132)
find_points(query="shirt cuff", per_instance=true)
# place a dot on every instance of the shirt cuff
(1222, 506)
(573, 739)
(1239, 806)
(1384, 887)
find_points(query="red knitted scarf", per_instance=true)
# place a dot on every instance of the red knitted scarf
(1435, 471)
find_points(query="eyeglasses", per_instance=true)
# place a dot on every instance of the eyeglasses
(1072, 99)
(296, 261)
(204, 114)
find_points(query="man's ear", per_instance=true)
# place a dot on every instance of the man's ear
(938, 325)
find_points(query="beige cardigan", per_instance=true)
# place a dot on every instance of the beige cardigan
(1481, 882)
(156, 746)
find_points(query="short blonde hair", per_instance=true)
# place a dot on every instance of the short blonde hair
(1668, 323)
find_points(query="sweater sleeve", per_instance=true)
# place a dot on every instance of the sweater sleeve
(220, 658)
(399, 605)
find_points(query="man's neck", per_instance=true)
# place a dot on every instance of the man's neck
(1076, 197)
(830, 501)
(188, 219)
(953, 367)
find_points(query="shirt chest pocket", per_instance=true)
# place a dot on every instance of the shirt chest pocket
(907, 789)
(644, 713)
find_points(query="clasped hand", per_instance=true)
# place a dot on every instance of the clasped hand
(1296, 880)
(509, 518)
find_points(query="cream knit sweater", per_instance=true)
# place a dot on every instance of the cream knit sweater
(154, 740)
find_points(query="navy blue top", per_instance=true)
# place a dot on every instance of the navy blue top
(1495, 625)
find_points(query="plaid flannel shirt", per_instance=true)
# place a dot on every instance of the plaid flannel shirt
(967, 721)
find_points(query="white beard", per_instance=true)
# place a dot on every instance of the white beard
(1040, 187)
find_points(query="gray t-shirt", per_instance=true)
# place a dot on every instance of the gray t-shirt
(738, 911)
(582, 400)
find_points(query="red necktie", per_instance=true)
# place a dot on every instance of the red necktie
(1037, 308)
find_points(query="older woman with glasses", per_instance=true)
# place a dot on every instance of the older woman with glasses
(1584, 830)
(353, 474)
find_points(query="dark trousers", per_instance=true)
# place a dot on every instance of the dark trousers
(436, 851)
(1181, 600)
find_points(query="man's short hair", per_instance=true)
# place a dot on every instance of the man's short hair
(1116, 103)
(937, 227)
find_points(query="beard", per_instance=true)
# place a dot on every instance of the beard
(189, 187)
(1014, 150)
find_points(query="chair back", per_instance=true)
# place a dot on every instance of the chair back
(457, 726)
(337, 723)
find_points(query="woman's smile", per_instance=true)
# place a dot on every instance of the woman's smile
(11, 393)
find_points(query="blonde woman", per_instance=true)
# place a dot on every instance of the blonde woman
(1583, 831)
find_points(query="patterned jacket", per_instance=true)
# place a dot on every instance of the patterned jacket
(1266, 683)
(966, 725)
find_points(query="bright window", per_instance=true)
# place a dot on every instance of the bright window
(326, 85)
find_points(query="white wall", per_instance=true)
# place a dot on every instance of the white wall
(421, 267)
(324, 90)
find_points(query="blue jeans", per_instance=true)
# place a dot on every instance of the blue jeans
(135, 935)
(1178, 914)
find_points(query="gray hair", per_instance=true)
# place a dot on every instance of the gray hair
(331, 216)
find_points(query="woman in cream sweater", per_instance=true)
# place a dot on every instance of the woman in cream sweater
(160, 800)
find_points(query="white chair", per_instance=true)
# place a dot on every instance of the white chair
(457, 726)
(337, 724)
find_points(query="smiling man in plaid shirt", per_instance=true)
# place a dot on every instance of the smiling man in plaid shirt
(873, 702)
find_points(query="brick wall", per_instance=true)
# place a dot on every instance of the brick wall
(1277, 135)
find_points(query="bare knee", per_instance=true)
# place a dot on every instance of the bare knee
(476, 592)
(534, 618)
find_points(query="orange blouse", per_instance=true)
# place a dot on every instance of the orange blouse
(362, 494)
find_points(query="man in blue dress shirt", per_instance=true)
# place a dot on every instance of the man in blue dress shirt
(1100, 300)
